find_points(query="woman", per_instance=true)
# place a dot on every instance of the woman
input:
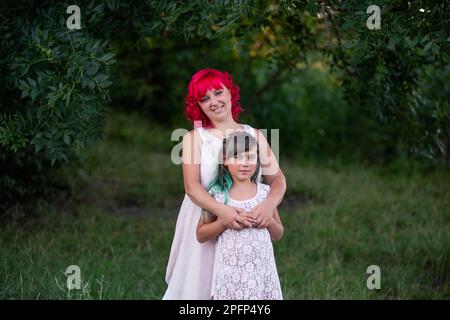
(213, 103)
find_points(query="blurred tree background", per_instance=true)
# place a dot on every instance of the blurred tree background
(338, 91)
(335, 88)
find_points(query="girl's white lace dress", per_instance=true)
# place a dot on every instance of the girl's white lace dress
(244, 264)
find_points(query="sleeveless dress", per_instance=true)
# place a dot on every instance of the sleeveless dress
(244, 265)
(190, 267)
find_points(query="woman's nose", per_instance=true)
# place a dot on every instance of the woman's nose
(214, 101)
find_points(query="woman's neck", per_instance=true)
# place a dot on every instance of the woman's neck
(226, 125)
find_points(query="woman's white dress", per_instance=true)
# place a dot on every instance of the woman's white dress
(190, 267)
(244, 266)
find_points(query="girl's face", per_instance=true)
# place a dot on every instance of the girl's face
(216, 103)
(243, 166)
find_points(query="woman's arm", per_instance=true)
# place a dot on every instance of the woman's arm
(209, 229)
(274, 177)
(230, 217)
(277, 183)
(275, 227)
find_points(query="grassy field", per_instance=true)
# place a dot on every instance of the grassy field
(117, 225)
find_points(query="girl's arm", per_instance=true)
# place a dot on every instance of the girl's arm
(194, 189)
(209, 229)
(275, 227)
(274, 177)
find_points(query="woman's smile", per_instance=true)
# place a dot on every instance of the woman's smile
(218, 109)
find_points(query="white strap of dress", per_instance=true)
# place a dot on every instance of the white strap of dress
(249, 129)
(201, 132)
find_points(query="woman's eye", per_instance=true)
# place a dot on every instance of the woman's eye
(218, 93)
(204, 99)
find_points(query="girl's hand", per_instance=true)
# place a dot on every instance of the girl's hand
(263, 213)
(234, 218)
(249, 217)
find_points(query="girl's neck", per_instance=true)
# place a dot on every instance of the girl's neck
(245, 189)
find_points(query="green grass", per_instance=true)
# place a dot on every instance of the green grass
(118, 223)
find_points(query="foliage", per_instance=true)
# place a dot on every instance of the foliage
(386, 74)
(398, 74)
(53, 96)
(393, 81)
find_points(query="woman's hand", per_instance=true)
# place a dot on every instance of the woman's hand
(263, 214)
(235, 218)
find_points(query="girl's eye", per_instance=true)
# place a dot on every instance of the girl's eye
(218, 93)
(204, 99)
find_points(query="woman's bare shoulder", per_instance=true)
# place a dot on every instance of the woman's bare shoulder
(258, 134)
(192, 134)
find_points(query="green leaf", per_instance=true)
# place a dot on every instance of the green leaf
(105, 84)
(107, 57)
(428, 46)
(66, 139)
(435, 48)
(101, 77)
(37, 147)
(34, 93)
(92, 68)
(24, 93)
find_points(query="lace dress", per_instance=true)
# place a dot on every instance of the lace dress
(244, 264)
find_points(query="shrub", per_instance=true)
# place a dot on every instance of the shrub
(53, 96)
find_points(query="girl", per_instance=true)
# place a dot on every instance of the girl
(244, 265)
(212, 103)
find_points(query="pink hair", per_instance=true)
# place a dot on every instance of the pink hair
(202, 81)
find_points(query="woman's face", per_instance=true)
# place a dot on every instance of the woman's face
(216, 103)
